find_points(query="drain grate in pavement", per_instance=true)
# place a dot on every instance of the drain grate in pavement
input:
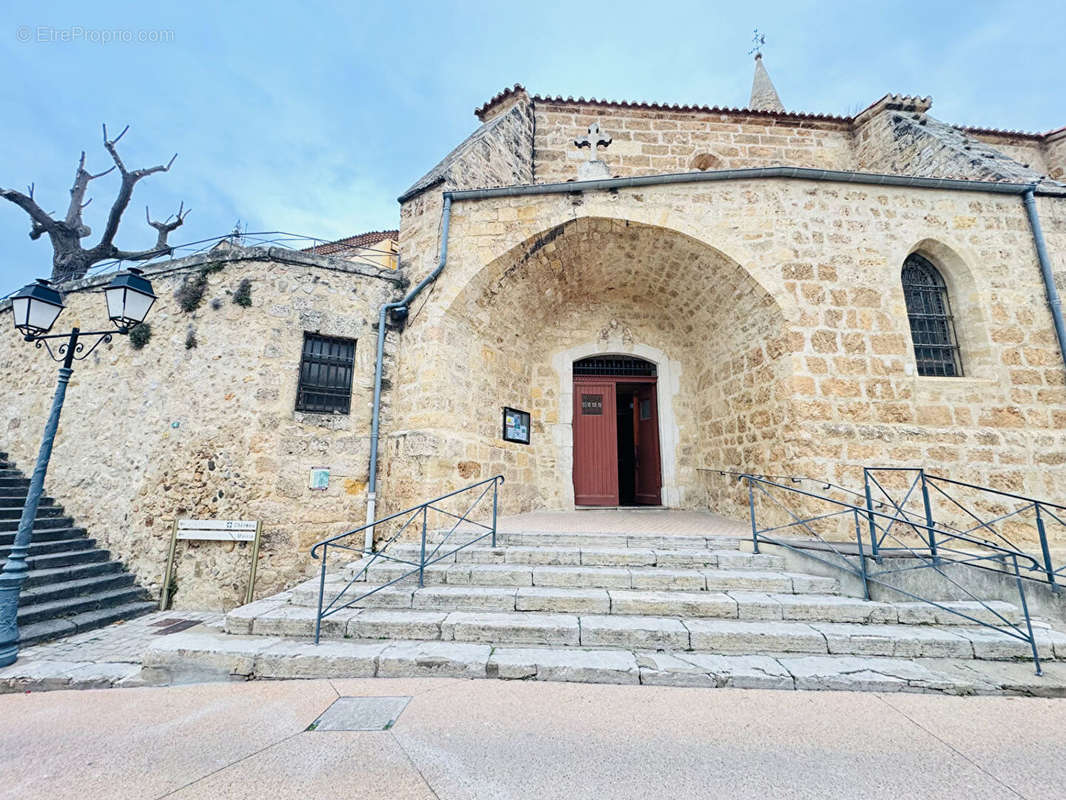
(360, 714)
(175, 625)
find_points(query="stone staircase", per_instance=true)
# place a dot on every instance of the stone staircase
(602, 607)
(72, 584)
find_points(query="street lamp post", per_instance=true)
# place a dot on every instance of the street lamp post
(35, 308)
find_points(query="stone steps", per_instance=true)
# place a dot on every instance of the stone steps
(72, 585)
(12, 511)
(46, 576)
(57, 590)
(71, 605)
(7, 538)
(39, 523)
(646, 631)
(722, 605)
(38, 547)
(202, 654)
(689, 558)
(44, 630)
(68, 559)
(649, 578)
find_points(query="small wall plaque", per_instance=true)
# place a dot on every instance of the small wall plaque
(319, 478)
(515, 425)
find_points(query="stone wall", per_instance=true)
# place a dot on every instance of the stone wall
(896, 136)
(1055, 146)
(812, 374)
(210, 431)
(648, 142)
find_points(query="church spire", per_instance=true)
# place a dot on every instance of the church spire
(763, 94)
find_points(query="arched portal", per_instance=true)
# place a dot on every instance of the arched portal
(513, 329)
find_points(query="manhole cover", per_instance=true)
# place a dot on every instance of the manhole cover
(360, 714)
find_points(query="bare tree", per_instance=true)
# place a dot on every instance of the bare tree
(69, 259)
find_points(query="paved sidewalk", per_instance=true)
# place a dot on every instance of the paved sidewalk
(486, 739)
(109, 656)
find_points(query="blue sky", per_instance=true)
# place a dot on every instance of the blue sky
(313, 117)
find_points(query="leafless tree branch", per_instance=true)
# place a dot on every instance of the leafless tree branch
(69, 258)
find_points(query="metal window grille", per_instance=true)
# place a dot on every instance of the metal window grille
(614, 365)
(326, 375)
(936, 348)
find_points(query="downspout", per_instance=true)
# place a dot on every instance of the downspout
(375, 422)
(1053, 300)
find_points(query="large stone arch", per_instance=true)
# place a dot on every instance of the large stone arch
(502, 331)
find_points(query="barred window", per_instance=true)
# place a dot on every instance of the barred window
(936, 348)
(326, 374)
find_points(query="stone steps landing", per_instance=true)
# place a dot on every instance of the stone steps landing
(651, 540)
(202, 654)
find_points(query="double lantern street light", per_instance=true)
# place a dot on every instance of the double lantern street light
(35, 308)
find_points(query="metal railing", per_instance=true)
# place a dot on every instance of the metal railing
(943, 511)
(863, 526)
(419, 514)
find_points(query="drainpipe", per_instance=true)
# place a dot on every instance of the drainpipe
(1053, 300)
(375, 423)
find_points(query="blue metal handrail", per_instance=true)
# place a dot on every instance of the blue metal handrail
(933, 487)
(415, 512)
(879, 526)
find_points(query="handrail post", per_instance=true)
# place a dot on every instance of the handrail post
(862, 556)
(422, 559)
(321, 592)
(1048, 567)
(751, 511)
(495, 490)
(1025, 611)
(870, 515)
(928, 517)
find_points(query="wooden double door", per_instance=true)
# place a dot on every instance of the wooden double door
(616, 441)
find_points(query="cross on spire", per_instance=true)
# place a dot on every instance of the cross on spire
(758, 40)
(594, 139)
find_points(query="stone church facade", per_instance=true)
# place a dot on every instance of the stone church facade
(718, 289)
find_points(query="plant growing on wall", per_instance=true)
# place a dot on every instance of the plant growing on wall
(191, 292)
(140, 335)
(243, 295)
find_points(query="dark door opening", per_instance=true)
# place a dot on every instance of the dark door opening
(616, 433)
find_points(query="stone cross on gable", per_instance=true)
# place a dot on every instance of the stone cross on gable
(594, 139)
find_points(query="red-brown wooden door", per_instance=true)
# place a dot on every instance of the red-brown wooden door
(649, 475)
(595, 443)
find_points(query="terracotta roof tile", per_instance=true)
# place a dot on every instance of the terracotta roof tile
(353, 242)
(509, 92)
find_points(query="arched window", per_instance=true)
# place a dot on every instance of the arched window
(936, 348)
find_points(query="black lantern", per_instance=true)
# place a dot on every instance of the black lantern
(129, 296)
(36, 308)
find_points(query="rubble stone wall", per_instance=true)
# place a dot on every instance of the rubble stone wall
(207, 432)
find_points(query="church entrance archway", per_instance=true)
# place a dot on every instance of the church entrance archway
(616, 432)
